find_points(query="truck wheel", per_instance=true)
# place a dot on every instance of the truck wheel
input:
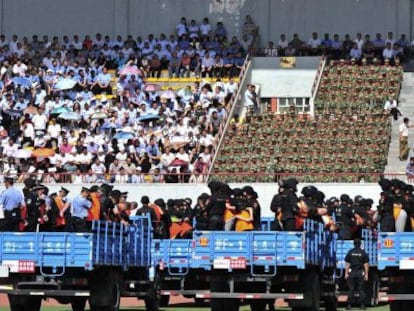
(258, 305)
(78, 303)
(151, 300)
(331, 304)
(315, 291)
(105, 290)
(164, 300)
(372, 290)
(25, 303)
(199, 301)
(396, 306)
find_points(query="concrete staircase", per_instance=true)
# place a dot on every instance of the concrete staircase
(406, 106)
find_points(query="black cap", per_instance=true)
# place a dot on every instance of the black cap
(29, 183)
(319, 197)
(170, 202)
(237, 192)
(160, 202)
(10, 180)
(385, 184)
(94, 188)
(309, 191)
(332, 200)
(188, 201)
(64, 190)
(38, 187)
(397, 184)
(358, 199)
(204, 196)
(345, 198)
(84, 189)
(115, 193)
(248, 189)
(124, 194)
(145, 199)
(290, 183)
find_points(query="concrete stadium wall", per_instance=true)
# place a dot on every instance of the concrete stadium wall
(139, 17)
(266, 191)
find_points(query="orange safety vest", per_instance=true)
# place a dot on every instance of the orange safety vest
(245, 223)
(95, 211)
(60, 221)
(157, 210)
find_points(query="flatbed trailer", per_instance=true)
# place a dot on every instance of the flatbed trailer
(257, 266)
(396, 261)
(110, 262)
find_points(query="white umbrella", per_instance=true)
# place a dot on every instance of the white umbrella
(22, 154)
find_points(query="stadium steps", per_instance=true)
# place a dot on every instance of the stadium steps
(406, 106)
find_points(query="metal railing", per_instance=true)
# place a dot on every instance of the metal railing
(68, 177)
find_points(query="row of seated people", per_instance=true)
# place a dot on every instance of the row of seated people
(343, 82)
(272, 146)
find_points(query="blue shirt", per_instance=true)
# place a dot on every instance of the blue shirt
(11, 198)
(80, 207)
(104, 78)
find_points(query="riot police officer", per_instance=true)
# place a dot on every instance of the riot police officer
(356, 272)
(289, 204)
(344, 217)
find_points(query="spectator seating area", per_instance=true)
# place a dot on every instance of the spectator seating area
(103, 109)
(349, 88)
(342, 143)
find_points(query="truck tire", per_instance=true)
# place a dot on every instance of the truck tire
(372, 290)
(258, 305)
(200, 302)
(151, 300)
(331, 304)
(164, 300)
(105, 291)
(396, 306)
(78, 303)
(24, 303)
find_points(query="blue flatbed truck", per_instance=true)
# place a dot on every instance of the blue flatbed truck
(110, 262)
(396, 261)
(255, 266)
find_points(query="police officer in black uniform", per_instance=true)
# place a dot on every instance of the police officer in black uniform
(216, 204)
(289, 206)
(32, 211)
(356, 272)
(344, 217)
(385, 207)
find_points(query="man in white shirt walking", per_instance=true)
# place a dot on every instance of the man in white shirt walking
(404, 149)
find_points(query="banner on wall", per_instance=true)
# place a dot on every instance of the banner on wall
(287, 62)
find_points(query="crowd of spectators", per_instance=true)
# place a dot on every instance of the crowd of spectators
(86, 103)
(358, 48)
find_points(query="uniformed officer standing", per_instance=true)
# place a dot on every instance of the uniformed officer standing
(289, 206)
(356, 272)
(80, 206)
(11, 201)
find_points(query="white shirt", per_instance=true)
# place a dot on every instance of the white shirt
(404, 130)
(39, 121)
